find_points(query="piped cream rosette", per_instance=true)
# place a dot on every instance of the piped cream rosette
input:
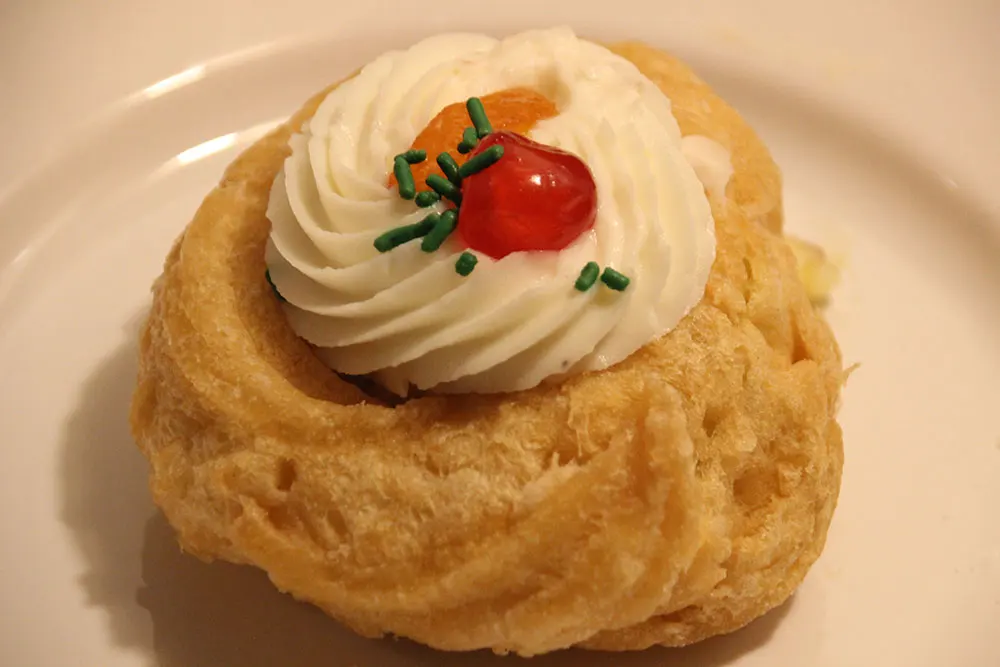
(406, 315)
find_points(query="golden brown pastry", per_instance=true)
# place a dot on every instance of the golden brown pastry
(676, 495)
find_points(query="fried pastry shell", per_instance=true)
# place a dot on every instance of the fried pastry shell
(677, 495)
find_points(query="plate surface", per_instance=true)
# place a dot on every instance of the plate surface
(891, 173)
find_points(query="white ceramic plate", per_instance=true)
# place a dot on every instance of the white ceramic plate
(881, 115)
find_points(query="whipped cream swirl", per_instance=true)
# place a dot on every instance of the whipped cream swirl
(406, 316)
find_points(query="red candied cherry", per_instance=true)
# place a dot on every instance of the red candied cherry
(535, 197)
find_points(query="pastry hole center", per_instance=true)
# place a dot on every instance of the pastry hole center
(713, 415)
(800, 350)
(287, 475)
(755, 487)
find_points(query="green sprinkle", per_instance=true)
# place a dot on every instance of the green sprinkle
(400, 235)
(445, 188)
(466, 263)
(444, 226)
(449, 167)
(485, 159)
(414, 156)
(614, 280)
(404, 176)
(426, 198)
(267, 276)
(588, 276)
(469, 140)
(478, 116)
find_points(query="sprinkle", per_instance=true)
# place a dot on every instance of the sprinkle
(478, 116)
(614, 280)
(588, 276)
(267, 276)
(426, 198)
(445, 188)
(400, 235)
(478, 163)
(469, 140)
(414, 156)
(443, 227)
(449, 167)
(466, 263)
(401, 168)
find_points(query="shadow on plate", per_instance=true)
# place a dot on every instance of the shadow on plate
(185, 613)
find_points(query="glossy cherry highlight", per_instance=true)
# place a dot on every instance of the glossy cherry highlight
(535, 198)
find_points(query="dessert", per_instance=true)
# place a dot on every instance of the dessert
(570, 392)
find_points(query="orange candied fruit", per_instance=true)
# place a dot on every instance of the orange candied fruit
(513, 110)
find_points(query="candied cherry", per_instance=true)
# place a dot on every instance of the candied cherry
(536, 197)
